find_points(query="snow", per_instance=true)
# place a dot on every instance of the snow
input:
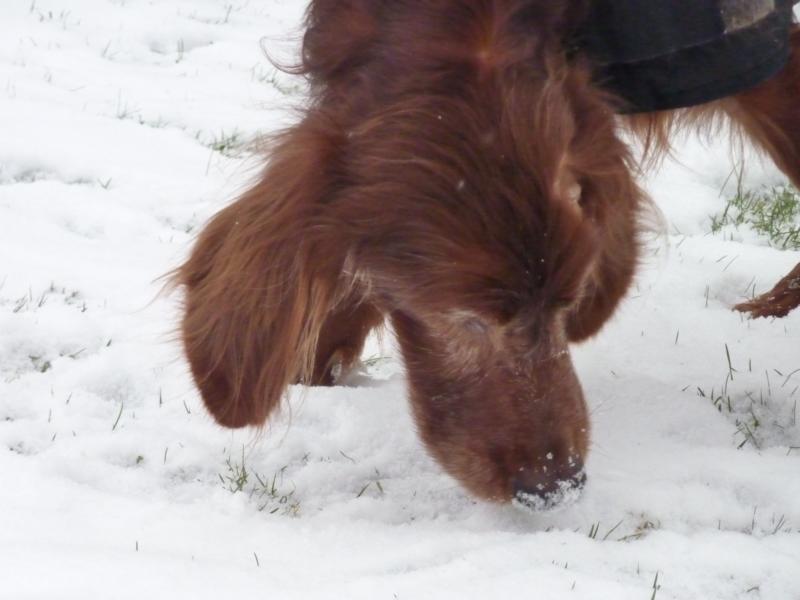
(565, 495)
(125, 125)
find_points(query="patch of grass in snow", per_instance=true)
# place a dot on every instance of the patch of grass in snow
(36, 175)
(40, 363)
(742, 411)
(123, 110)
(64, 17)
(40, 358)
(763, 418)
(775, 525)
(126, 112)
(227, 144)
(773, 213)
(376, 482)
(271, 493)
(603, 533)
(644, 527)
(31, 301)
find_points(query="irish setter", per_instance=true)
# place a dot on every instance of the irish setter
(457, 173)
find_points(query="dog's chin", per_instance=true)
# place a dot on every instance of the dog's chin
(566, 494)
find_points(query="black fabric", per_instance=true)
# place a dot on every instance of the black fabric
(666, 54)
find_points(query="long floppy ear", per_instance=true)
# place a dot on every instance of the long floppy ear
(261, 281)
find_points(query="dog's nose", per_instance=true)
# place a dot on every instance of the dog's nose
(549, 485)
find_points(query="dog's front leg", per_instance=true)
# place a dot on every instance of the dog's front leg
(770, 115)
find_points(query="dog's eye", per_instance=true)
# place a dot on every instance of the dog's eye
(574, 193)
(570, 189)
(469, 321)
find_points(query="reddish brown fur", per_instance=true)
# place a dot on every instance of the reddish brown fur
(454, 173)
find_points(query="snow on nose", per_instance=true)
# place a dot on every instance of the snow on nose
(550, 485)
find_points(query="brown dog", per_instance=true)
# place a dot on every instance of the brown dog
(457, 173)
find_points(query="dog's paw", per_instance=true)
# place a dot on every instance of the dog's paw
(778, 302)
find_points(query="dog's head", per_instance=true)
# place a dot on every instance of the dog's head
(494, 232)
(478, 195)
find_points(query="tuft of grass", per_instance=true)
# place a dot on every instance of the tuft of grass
(270, 493)
(745, 418)
(376, 482)
(763, 415)
(773, 213)
(777, 524)
(237, 476)
(123, 110)
(273, 498)
(227, 144)
(641, 530)
(40, 363)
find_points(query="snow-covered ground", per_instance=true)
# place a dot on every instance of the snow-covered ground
(124, 124)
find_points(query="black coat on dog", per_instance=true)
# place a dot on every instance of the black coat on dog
(666, 54)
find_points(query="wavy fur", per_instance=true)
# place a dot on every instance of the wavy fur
(456, 173)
